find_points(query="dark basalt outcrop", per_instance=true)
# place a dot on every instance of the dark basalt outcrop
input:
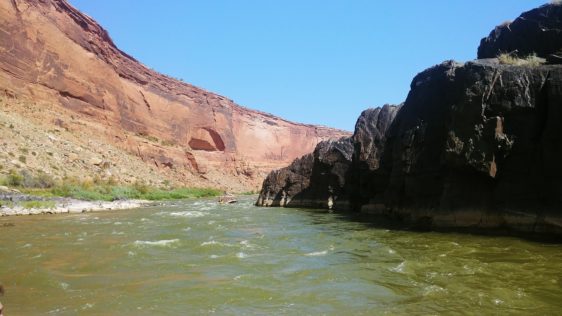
(475, 147)
(315, 180)
(538, 31)
(369, 140)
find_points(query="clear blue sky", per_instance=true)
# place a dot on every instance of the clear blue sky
(311, 61)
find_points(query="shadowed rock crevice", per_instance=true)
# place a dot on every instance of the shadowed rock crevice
(206, 139)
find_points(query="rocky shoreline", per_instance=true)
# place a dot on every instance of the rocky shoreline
(75, 206)
(12, 205)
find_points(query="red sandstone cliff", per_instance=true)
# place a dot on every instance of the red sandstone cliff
(51, 52)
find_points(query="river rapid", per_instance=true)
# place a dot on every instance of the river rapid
(197, 258)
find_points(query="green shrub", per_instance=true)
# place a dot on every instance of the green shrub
(39, 181)
(14, 179)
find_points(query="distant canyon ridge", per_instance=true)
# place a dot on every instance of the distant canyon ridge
(73, 104)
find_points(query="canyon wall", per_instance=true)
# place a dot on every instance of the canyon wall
(60, 60)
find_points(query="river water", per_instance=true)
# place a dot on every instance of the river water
(198, 258)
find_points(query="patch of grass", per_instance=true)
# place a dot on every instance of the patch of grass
(22, 159)
(180, 193)
(529, 61)
(109, 192)
(8, 204)
(38, 204)
(42, 184)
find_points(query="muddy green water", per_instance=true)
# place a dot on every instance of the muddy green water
(195, 257)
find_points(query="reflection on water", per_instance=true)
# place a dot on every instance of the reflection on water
(197, 257)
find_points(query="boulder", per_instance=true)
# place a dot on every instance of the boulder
(315, 180)
(538, 31)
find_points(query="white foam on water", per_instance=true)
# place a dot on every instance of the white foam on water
(241, 255)
(64, 285)
(193, 214)
(117, 223)
(131, 253)
(186, 229)
(158, 243)
(214, 256)
(27, 246)
(87, 306)
(399, 268)
(433, 289)
(317, 253)
(215, 243)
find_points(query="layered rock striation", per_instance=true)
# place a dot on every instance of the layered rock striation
(475, 146)
(53, 55)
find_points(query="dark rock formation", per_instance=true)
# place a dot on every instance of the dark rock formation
(327, 178)
(475, 146)
(478, 146)
(369, 140)
(315, 180)
(537, 31)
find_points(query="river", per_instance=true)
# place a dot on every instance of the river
(198, 258)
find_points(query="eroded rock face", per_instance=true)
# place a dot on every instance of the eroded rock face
(477, 145)
(537, 31)
(53, 53)
(369, 140)
(315, 180)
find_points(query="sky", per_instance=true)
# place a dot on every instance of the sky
(310, 61)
